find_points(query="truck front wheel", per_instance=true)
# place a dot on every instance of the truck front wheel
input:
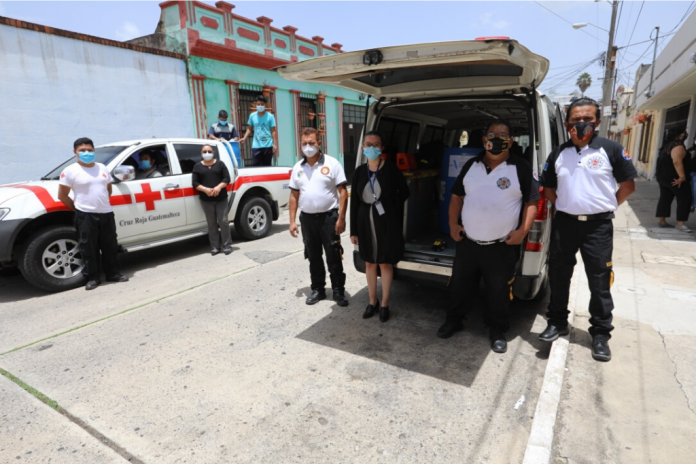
(253, 219)
(51, 259)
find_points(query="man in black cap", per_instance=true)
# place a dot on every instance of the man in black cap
(222, 130)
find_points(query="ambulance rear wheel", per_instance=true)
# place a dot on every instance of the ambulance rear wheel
(253, 219)
(51, 259)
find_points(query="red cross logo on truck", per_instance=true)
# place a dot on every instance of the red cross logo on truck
(148, 197)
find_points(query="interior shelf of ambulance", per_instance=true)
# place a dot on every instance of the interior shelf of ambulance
(430, 142)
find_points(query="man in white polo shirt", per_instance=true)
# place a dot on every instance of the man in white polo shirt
(94, 219)
(318, 186)
(580, 178)
(493, 205)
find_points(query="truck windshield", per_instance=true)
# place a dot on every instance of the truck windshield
(104, 155)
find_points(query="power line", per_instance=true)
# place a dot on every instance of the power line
(563, 19)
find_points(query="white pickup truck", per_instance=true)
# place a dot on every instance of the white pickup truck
(37, 233)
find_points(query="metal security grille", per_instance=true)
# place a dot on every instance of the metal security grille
(353, 114)
(246, 101)
(308, 105)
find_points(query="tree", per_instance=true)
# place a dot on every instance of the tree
(584, 82)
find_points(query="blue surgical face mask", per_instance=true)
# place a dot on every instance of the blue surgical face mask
(145, 165)
(372, 152)
(86, 157)
(223, 123)
(260, 108)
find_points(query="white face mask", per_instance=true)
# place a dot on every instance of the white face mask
(309, 150)
(260, 108)
(207, 156)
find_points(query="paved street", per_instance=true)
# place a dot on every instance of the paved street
(217, 359)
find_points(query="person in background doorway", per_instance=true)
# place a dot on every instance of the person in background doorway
(222, 130)
(670, 172)
(147, 167)
(493, 205)
(580, 178)
(692, 163)
(94, 218)
(318, 187)
(376, 221)
(265, 142)
(210, 177)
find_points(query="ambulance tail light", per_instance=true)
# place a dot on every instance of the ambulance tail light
(536, 233)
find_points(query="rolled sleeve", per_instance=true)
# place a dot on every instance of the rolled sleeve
(225, 174)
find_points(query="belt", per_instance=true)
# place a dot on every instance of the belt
(489, 242)
(319, 214)
(588, 217)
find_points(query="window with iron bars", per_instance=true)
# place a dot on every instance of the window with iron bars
(307, 106)
(246, 99)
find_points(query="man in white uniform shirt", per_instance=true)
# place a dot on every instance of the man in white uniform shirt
(493, 205)
(318, 186)
(580, 178)
(94, 218)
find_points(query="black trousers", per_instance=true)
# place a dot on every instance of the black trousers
(496, 264)
(319, 234)
(262, 156)
(667, 194)
(97, 232)
(595, 240)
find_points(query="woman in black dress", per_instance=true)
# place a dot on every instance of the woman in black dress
(210, 177)
(671, 172)
(378, 193)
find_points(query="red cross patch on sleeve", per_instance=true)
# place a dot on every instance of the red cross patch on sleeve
(625, 155)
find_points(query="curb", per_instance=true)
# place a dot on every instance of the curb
(540, 442)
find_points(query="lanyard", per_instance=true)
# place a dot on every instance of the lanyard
(373, 179)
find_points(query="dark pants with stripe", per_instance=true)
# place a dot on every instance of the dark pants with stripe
(97, 232)
(496, 264)
(595, 240)
(667, 193)
(319, 234)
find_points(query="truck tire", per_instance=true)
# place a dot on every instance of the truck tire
(51, 260)
(253, 219)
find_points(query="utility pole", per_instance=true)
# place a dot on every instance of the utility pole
(652, 68)
(609, 62)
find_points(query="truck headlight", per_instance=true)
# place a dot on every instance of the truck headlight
(4, 212)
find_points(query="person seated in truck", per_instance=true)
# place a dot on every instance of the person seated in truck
(222, 130)
(265, 142)
(376, 221)
(493, 205)
(147, 168)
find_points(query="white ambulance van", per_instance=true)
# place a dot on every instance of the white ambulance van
(432, 103)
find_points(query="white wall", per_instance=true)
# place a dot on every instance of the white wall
(54, 90)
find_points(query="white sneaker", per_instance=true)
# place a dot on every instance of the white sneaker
(683, 228)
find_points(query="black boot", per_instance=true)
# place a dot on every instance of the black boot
(600, 348)
(340, 297)
(316, 297)
(551, 333)
(498, 341)
(449, 328)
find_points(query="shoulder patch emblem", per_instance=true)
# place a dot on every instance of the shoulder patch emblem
(595, 162)
(625, 155)
(535, 175)
(503, 183)
(546, 166)
(325, 170)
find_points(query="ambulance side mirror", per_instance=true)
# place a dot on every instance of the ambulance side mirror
(124, 173)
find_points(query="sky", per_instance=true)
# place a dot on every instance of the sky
(543, 27)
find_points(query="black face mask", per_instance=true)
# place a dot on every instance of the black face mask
(496, 145)
(582, 130)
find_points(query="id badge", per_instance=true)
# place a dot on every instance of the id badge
(380, 208)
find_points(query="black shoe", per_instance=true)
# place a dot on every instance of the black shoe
(449, 328)
(600, 348)
(383, 313)
(371, 310)
(316, 297)
(118, 278)
(215, 252)
(228, 251)
(92, 284)
(551, 333)
(340, 298)
(498, 341)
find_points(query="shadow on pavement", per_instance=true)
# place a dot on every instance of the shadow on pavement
(408, 340)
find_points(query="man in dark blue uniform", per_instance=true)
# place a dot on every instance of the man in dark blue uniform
(580, 178)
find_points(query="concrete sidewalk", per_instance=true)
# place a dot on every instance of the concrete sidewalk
(640, 407)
